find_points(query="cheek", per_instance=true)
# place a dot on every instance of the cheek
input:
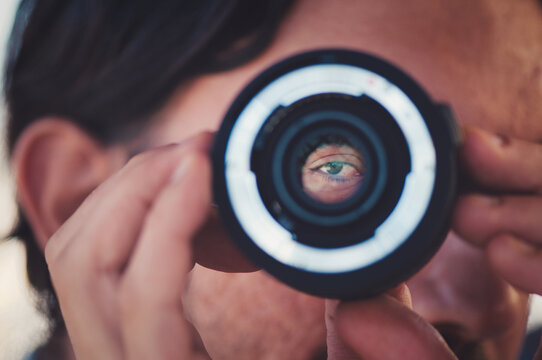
(253, 316)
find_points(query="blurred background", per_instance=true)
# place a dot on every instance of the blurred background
(22, 328)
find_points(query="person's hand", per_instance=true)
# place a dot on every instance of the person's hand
(119, 265)
(382, 328)
(508, 222)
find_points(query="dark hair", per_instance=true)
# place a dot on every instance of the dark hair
(109, 65)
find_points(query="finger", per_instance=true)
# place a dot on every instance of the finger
(402, 294)
(478, 218)
(337, 348)
(91, 328)
(98, 237)
(502, 163)
(152, 317)
(517, 262)
(382, 328)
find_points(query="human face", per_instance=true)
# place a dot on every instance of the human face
(481, 57)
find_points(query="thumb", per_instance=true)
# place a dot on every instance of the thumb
(382, 328)
(336, 348)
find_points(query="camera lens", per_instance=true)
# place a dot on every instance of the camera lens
(335, 172)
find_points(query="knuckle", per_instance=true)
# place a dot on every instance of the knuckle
(150, 162)
(155, 159)
(149, 155)
(138, 159)
(55, 257)
(65, 270)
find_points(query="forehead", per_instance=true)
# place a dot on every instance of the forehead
(480, 56)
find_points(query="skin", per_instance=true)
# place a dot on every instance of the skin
(122, 264)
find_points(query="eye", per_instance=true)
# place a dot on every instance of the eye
(332, 173)
(338, 169)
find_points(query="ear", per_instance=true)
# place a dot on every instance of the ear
(56, 166)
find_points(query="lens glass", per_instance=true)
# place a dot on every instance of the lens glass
(333, 170)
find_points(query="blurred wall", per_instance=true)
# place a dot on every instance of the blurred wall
(7, 8)
(21, 327)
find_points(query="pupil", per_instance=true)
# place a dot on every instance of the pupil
(334, 167)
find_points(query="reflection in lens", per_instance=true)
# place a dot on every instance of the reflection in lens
(333, 172)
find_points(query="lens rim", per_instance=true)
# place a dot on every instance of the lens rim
(374, 117)
(399, 264)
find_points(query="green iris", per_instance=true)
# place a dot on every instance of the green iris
(333, 167)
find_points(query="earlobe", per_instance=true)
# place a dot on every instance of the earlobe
(57, 165)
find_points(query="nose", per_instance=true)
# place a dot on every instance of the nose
(458, 291)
